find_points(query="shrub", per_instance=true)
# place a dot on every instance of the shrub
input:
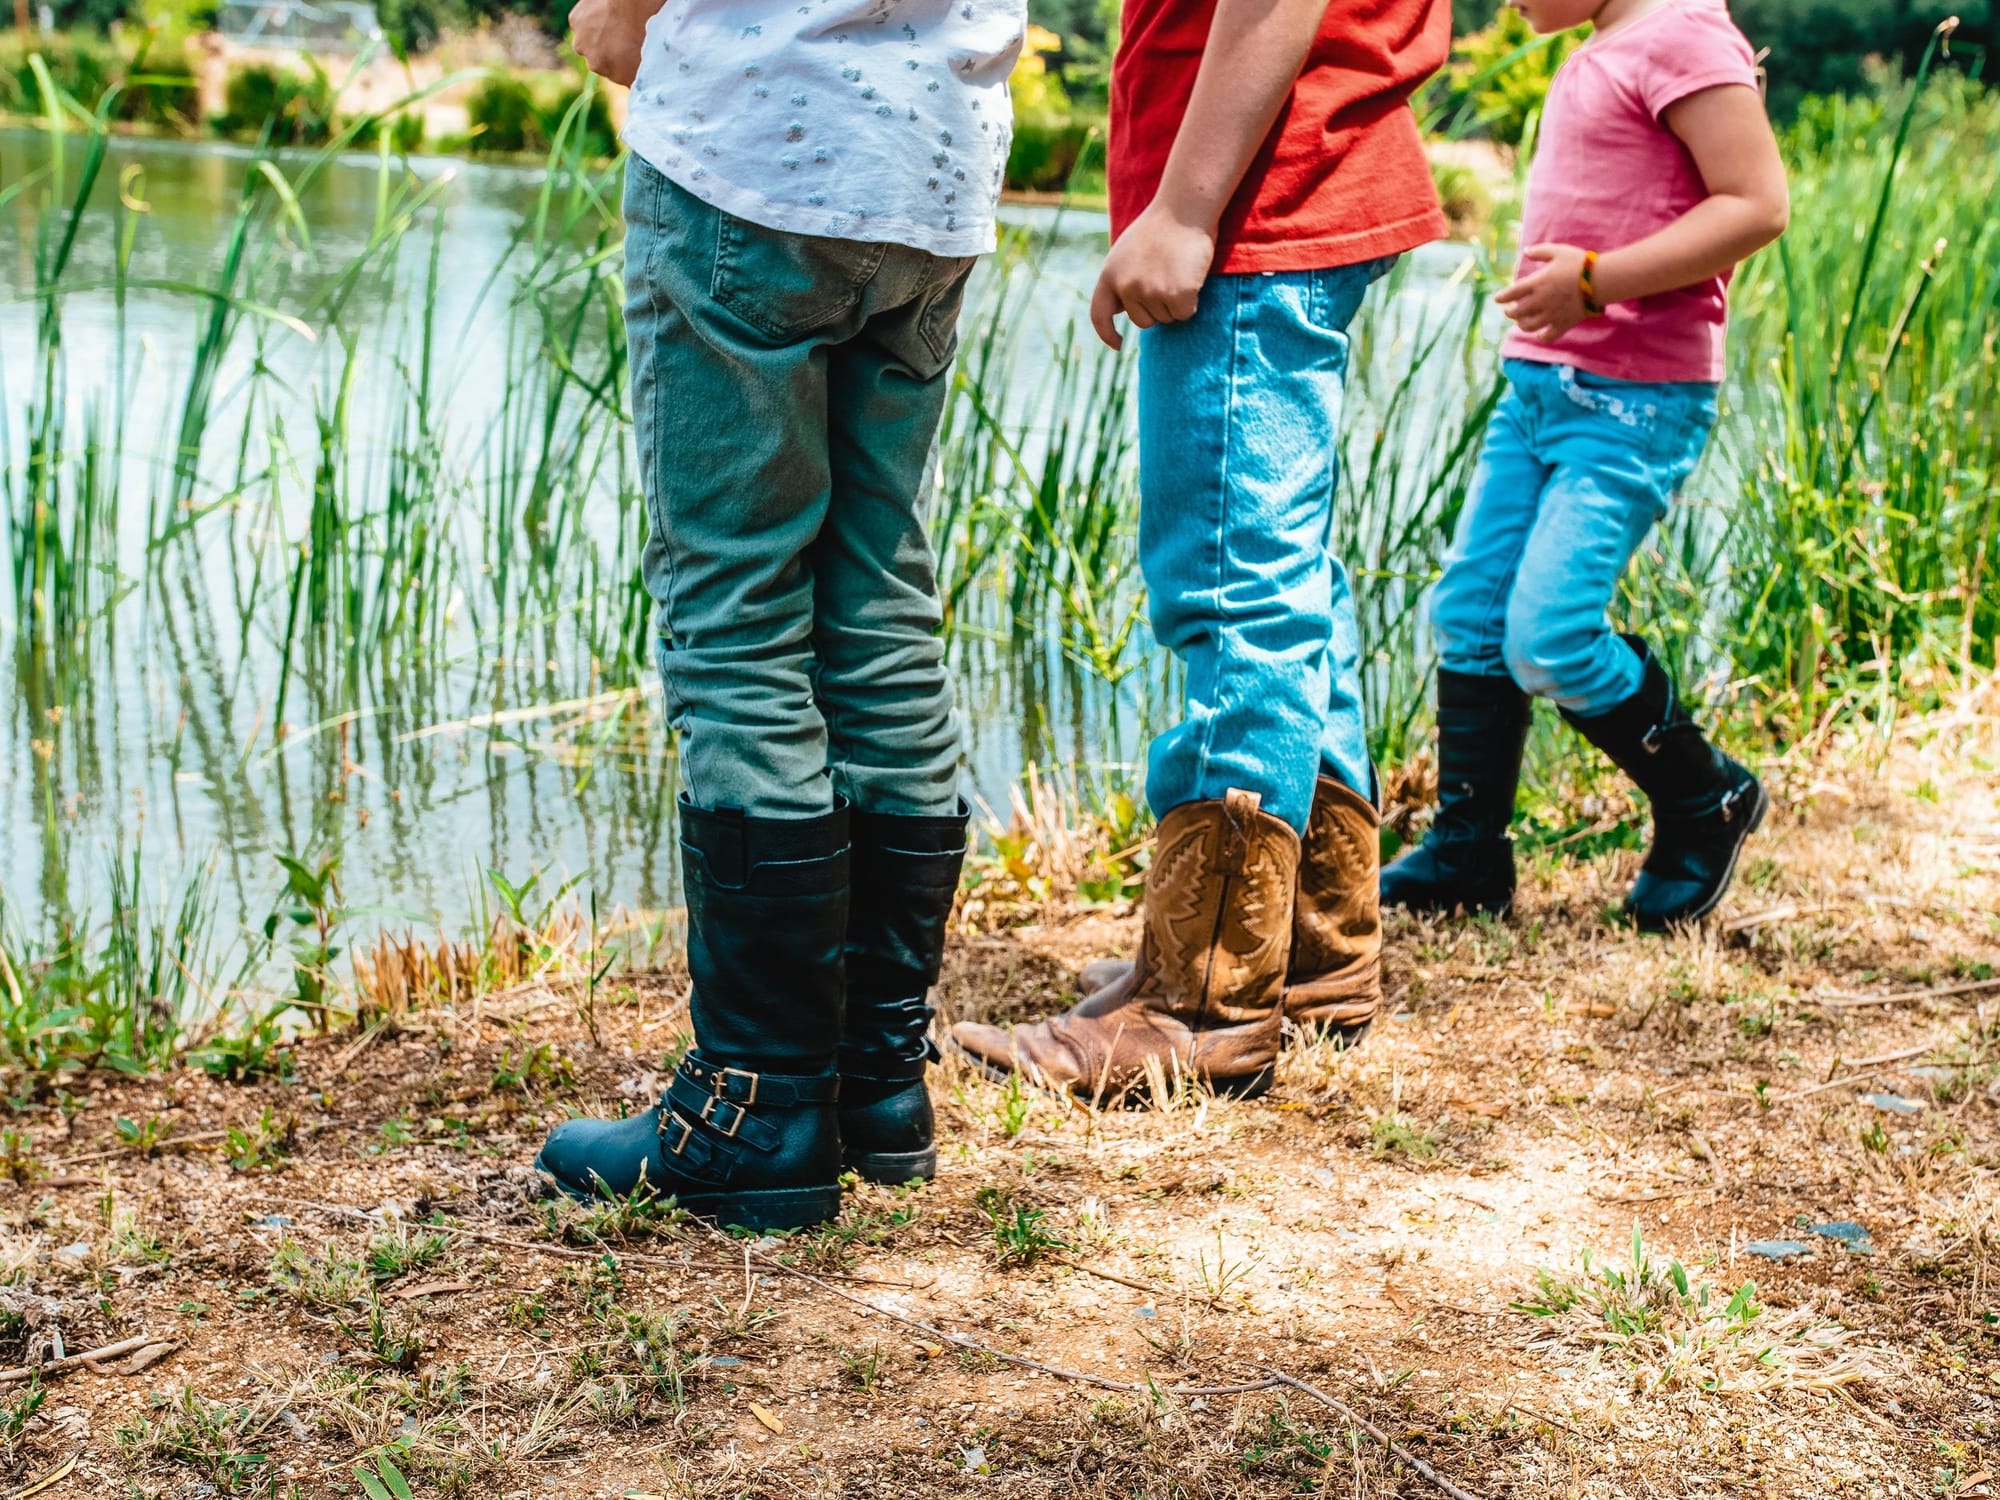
(85, 66)
(501, 113)
(298, 107)
(508, 114)
(406, 131)
(1466, 202)
(1046, 153)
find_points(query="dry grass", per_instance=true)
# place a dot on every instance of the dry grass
(1437, 1227)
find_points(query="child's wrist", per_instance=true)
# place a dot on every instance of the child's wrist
(1608, 279)
(1586, 286)
(1186, 209)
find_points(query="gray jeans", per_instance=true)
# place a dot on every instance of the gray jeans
(787, 391)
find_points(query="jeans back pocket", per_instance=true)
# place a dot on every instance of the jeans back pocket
(789, 285)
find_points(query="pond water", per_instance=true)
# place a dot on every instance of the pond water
(382, 606)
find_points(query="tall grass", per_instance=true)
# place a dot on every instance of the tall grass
(349, 530)
(1863, 549)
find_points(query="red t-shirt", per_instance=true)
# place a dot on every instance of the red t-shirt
(1343, 177)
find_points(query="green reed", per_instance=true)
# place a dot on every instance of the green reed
(337, 542)
(1848, 562)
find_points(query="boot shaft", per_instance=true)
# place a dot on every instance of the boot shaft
(1651, 738)
(905, 874)
(1483, 727)
(1335, 971)
(767, 902)
(1220, 896)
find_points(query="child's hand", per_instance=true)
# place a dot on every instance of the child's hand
(1549, 302)
(1152, 275)
(609, 35)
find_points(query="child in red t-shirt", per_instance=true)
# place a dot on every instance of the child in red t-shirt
(1265, 168)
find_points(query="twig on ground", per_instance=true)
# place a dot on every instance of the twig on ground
(1148, 1288)
(49, 1480)
(1853, 1000)
(1098, 1271)
(1865, 1068)
(76, 1361)
(569, 1252)
(1790, 912)
(168, 1143)
(1396, 1450)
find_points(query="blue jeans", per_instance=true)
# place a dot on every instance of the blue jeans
(1239, 416)
(1576, 469)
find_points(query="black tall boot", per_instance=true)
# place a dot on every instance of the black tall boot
(747, 1131)
(1466, 859)
(905, 880)
(1705, 805)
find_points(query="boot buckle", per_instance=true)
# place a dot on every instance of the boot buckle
(719, 1081)
(708, 1113)
(687, 1130)
(1650, 740)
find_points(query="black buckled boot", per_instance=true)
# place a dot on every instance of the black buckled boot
(905, 880)
(1466, 859)
(747, 1133)
(1705, 805)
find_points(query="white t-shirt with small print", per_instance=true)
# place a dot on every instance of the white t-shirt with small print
(881, 120)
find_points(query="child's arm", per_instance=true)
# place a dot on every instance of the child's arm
(1155, 271)
(1726, 131)
(610, 34)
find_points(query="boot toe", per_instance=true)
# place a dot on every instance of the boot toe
(990, 1047)
(590, 1158)
(1658, 902)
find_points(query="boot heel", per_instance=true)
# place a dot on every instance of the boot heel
(893, 1168)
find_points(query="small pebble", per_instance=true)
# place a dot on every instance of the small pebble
(1894, 1104)
(1779, 1250)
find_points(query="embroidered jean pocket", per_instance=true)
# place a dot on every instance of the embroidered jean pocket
(1625, 402)
(789, 285)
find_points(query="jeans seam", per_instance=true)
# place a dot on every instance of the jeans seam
(1206, 749)
(1503, 586)
(656, 297)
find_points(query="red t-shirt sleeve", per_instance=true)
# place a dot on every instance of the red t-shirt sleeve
(1695, 47)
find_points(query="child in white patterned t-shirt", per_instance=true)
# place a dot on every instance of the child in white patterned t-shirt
(804, 197)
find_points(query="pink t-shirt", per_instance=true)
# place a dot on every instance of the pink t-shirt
(1608, 172)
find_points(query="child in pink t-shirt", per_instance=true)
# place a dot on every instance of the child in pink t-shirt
(1656, 174)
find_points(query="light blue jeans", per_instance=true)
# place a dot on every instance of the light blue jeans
(1239, 417)
(1576, 470)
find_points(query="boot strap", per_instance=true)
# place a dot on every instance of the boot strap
(740, 1086)
(693, 1151)
(720, 1100)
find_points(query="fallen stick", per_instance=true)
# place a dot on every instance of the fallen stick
(55, 1476)
(1396, 1451)
(568, 1252)
(1137, 1286)
(1865, 1068)
(1851, 1000)
(166, 1143)
(75, 1361)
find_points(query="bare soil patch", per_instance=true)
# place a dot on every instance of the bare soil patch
(1523, 1230)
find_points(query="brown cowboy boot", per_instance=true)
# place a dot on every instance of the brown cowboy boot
(1334, 980)
(1204, 997)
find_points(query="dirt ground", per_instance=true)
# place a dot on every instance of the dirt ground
(1523, 1230)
